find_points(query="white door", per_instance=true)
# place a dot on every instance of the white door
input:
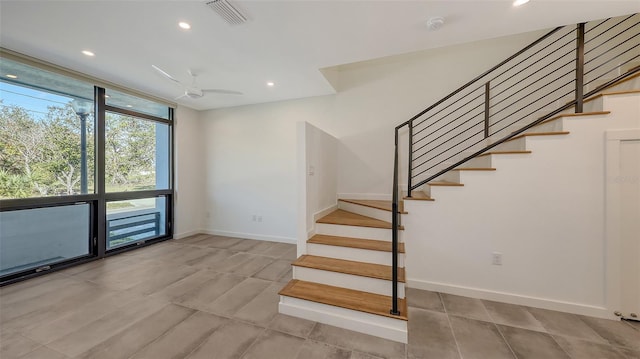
(630, 228)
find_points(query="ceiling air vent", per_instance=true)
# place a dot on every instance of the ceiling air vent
(229, 13)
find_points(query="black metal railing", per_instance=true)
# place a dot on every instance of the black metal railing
(125, 230)
(553, 74)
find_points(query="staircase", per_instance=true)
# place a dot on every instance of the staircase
(345, 279)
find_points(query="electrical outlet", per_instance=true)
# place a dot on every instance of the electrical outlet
(259, 218)
(254, 218)
(496, 258)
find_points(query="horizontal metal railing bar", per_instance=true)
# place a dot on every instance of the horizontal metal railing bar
(492, 125)
(529, 114)
(586, 41)
(535, 53)
(446, 142)
(612, 82)
(449, 131)
(134, 224)
(452, 121)
(537, 71)
(565, 45)
(588, 30)
(485, 149)
(532, 103)
(609, 40)
(463, 141)
(444, 108)
(537, 89)
(525, 128)
(523, 88)
(132, 233)
(438, 120)
(613, 58)
(611, 49)
(481, 76)
(608, 72)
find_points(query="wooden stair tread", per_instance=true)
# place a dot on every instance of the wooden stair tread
(343, 217)
(611, 93)
(556, 117)
(474, 169)
(417, 196)
(445, 183)
(362, 269)
(522, 135)
(370, 244)
(344, 298)
(503, 153)
(378, 204)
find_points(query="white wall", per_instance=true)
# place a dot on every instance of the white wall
(250, 150)
(545, 212)
(317, 178)
(189, 173)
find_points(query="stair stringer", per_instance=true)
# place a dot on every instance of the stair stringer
(543, 211)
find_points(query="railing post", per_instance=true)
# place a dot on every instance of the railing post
(487, 96)
(410, 158)
(579, 67)
(394, 233)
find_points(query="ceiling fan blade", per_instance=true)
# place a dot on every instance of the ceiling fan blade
(224, 92)
(164, 73)
(181, 96)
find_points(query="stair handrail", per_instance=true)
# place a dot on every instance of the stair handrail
(579, 96)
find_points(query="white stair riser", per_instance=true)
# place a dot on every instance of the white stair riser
(551, 126)
(594, 105)
(515, 145)
(478, 162)
(365, 284)
(451, 176)
(383, 327)
(353, 254)
(380, 234)
(365, 211)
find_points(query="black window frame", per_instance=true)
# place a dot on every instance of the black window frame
(98, 199)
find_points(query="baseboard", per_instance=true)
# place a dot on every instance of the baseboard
(260, 237)
(324, 212)
(544, 303)
(372, 196)
(187, 234)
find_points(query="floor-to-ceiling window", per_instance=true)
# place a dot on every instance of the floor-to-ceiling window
(85, 170)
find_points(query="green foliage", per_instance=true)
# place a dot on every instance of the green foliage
(41, 156)
(14, 185)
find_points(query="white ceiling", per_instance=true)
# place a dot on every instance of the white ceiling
(285, 41)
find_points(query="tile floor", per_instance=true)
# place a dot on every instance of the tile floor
(216, 297)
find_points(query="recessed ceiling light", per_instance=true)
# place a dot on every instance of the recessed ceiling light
(520, 2)
(184, 25)
(12, 76)
(88, 53)
(129, 106)
(271, 83)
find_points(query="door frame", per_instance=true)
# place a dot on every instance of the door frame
(613, 242)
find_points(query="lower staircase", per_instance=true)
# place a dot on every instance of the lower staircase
(345, 279)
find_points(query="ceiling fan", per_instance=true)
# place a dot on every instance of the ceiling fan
(193, 91)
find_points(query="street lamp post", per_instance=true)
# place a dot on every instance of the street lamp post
(83, 109)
